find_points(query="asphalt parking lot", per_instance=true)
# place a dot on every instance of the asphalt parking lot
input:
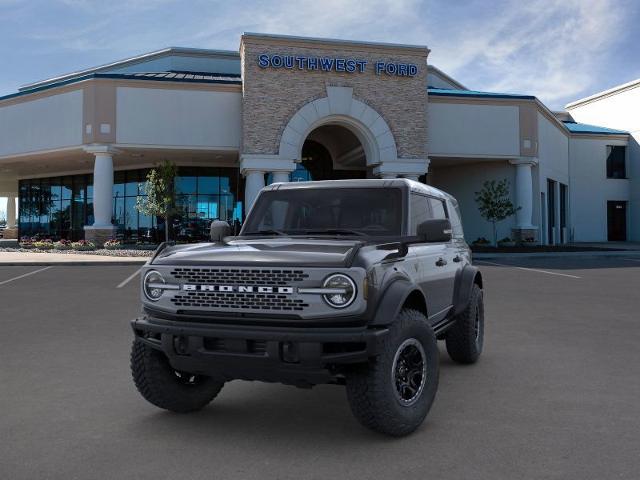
(555, 395)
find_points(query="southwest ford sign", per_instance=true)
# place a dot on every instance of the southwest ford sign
(335, 64)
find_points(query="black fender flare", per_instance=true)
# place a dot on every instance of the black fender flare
(392, 300)
(464, 282)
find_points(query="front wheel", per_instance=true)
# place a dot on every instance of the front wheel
(165, 387)
(394, 392)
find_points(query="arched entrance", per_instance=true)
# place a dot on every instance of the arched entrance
(331, 152)
(336, 120)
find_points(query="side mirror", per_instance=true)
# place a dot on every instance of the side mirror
(437, 230)
(218, 230)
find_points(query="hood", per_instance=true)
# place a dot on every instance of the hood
(263, 252)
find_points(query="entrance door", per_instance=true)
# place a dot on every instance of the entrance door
(551, 212)
(543, 218)
(617, 221)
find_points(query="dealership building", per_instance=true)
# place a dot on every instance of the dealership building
(75, 150)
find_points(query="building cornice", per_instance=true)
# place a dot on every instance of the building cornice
(604, 94)
(312, 42)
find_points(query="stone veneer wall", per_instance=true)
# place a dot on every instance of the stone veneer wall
(271, 96)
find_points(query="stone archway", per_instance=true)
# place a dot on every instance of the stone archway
(340, 108)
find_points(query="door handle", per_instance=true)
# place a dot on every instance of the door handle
(457, 258)
(441, 262)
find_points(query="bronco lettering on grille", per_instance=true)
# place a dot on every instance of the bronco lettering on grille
(237, 288)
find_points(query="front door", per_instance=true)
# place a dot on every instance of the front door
(551, 212)
(617, 221)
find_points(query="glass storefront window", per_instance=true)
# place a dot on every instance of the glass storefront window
(60, 207)
(186, 185)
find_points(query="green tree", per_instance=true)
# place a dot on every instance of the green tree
(494, 203)
(160, 199)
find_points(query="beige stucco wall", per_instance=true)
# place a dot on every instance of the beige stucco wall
(178, 117)
(50, 122)
(272, 96)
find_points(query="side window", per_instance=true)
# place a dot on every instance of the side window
(437, 207)
(419, 211)
(455, 217)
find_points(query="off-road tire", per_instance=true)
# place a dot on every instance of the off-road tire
(162, 386)
(371, 388)
(464, 345)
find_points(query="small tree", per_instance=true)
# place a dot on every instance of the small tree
(494, 203)
(160, 200)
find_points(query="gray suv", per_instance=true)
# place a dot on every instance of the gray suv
(349, 282)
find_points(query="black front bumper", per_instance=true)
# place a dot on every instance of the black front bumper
(294, 355)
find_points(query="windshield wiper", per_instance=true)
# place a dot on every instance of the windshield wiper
(266, 232)
(334, 231)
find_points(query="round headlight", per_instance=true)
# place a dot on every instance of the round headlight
(343, 290)
(152, 285)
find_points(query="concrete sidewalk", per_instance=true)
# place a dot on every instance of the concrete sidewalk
(37, 259)
(591, 254)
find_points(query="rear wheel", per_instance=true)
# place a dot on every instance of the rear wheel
(465, 338)
(394, 392)
(165, 387)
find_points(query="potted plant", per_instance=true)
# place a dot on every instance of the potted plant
(506, 242)
(83, 245)
(26, 243)
(62, 244)
(481, 242)
(113, 244)
(46, 244)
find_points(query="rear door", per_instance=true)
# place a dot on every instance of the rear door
(447, 260)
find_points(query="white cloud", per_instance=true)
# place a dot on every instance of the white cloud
(552, 49)
(555, 49)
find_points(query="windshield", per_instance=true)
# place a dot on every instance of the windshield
(327, 211)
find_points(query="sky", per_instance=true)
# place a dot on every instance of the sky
(558, 50)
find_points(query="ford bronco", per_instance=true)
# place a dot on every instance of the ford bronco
(349, 282)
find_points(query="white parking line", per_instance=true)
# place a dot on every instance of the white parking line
(129, 278)
(528, 269)
(24, 275)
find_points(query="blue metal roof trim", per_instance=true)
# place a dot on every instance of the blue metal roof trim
(445, 92)
(575, 127)
(227, 79)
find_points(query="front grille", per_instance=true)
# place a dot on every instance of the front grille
(250, 301)
(236, 276)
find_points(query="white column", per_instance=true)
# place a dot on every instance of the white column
(280, 177)
(103, 190)
(253, 168)
(11, 212)
(254, 183)
(524, 192)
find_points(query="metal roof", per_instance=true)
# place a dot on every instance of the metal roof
(445, 92)
(175, 75)
(132, 61)
(186, 77)
(575, 127)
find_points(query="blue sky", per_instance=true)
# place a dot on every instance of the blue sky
(558, 50)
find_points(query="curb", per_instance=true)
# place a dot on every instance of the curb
(74, 263)
(597, 254)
